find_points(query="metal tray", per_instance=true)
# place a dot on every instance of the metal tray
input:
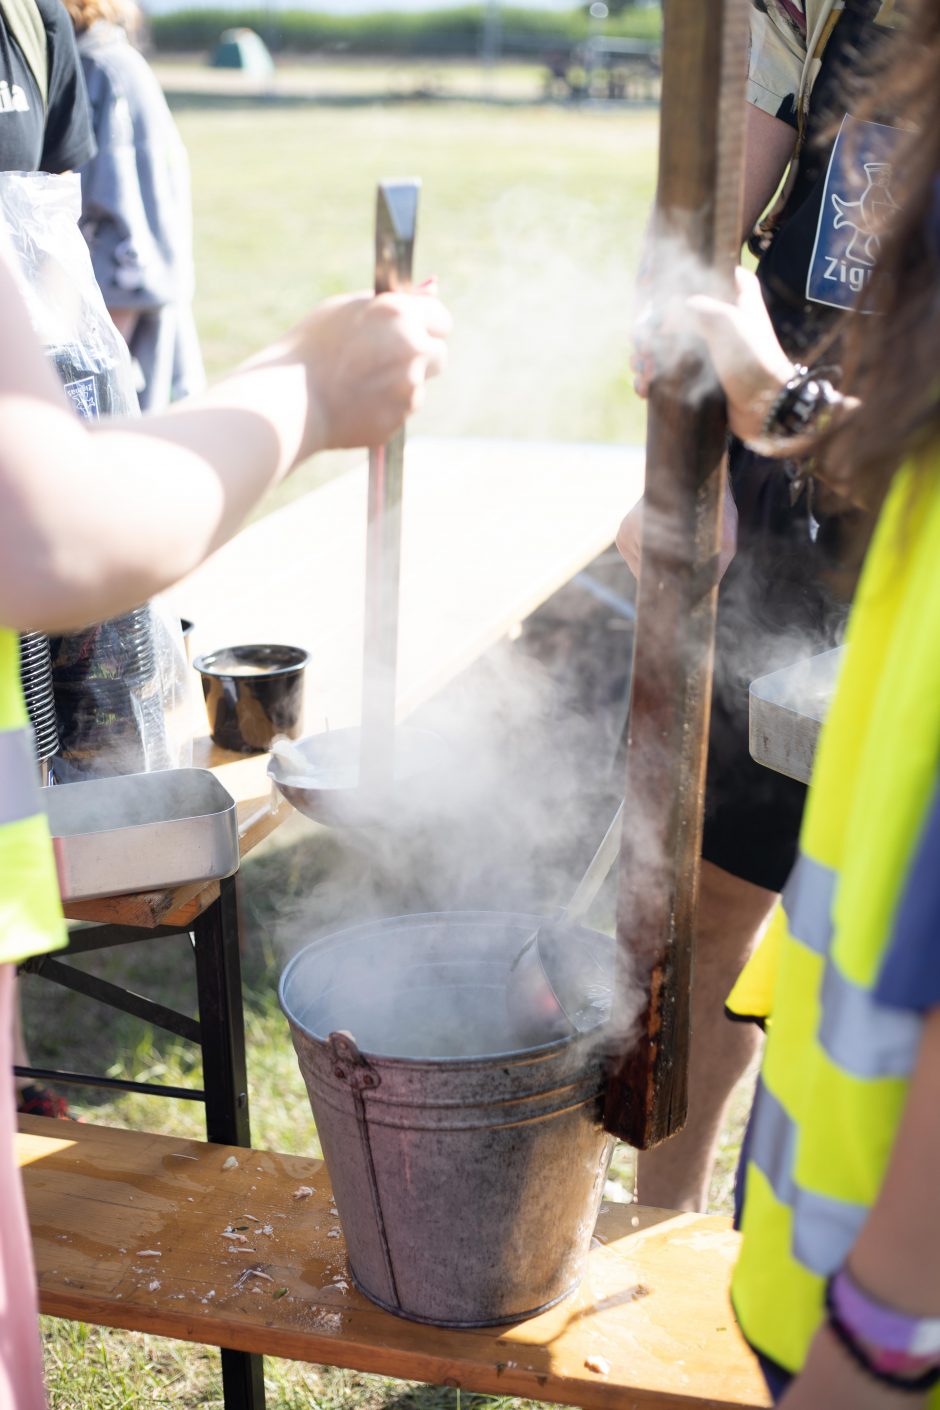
(787, 709)
(141, 832)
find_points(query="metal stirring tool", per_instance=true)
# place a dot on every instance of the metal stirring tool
(360, 776)
(552, 993)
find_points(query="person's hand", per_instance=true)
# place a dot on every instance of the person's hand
(630, 535)
(630, 538)
(748, 360)
(368, 359)
(643, 358)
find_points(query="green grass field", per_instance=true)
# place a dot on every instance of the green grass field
(532, 219)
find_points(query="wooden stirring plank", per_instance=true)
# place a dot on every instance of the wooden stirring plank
(129, 1231)
(697, 220)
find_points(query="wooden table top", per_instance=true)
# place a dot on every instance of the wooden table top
(128, 1232)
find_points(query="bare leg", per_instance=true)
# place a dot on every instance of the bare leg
(20, 1351)
(731, 915)
(20, 1055)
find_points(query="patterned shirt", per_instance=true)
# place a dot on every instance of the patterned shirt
(788, 40)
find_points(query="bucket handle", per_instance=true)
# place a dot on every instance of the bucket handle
(351, 1067)
(348, 1063)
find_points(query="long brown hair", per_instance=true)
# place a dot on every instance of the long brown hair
(85, 13)
(892, 360)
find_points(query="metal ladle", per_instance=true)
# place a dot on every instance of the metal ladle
(552, 993)
(362, 775)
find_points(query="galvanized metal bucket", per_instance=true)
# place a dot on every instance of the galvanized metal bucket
(467, 1185)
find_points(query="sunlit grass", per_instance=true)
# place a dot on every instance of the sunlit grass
(531, 217)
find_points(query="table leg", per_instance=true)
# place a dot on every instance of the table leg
(225, 1080)
(242, 1381)
(219, 988)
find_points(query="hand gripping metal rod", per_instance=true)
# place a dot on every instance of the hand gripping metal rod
(396, 217)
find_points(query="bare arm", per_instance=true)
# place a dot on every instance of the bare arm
(769, 145)
(94, 522)
(897, 1254)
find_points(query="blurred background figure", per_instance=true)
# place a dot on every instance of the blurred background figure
(136, 208)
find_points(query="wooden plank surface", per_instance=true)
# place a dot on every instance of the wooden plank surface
(127, 1232)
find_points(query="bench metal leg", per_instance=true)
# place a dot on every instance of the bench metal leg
(225, 1080)
(242, 1380)
(219, 989)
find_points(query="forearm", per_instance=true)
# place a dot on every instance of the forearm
(769, 145)
(896, 1258)
(832, 1381)
(144, 502)
(95, 521)
(897, 1255)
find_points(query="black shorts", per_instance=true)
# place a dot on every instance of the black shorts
(782, 599)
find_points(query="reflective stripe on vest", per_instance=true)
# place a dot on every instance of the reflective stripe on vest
(838, 1062)
(861, 1035)
(19, 786)
(30, 911)
(807, 900)
(824, 1229)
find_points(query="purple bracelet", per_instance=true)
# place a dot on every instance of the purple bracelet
(900, 1350)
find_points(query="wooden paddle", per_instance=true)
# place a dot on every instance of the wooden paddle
(699, 205)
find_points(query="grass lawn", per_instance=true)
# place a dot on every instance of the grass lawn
(532, 218)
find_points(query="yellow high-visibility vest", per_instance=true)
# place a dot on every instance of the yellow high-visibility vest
(838, 1062)
(30, 911)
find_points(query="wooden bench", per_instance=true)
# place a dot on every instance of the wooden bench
(128, 1232)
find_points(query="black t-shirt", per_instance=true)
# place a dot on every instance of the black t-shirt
(63, 141)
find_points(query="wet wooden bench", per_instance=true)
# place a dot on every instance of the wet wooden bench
(239, 1248)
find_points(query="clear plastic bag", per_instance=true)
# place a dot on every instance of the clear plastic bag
(122, 696)
(121, 687)
(53, 269)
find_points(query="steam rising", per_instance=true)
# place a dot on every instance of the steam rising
(664, 332)
(506, 824)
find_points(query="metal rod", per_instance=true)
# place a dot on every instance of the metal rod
(92, 986)
(698, 207)
(395, 221)
(597, 871)
(82, 1079)
(86, 938)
